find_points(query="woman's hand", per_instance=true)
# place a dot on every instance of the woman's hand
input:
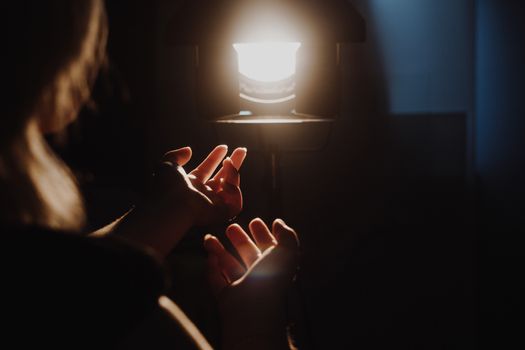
(178, 201)
(251, 293)
(215, 198)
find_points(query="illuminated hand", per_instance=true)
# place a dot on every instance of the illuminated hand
(251, 294)
(210, 199)
(178, 201)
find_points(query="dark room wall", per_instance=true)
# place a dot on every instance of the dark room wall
(500, 111)
(426, 52)
(500, 166)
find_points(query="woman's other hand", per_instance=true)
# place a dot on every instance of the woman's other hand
(252, 292)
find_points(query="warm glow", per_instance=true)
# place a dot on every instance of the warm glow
(268, 61)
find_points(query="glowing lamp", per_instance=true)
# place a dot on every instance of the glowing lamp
(267, 60)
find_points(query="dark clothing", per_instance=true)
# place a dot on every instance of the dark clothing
(70, 291)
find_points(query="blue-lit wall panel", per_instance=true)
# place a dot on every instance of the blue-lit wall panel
(500, 102)
(426, 52)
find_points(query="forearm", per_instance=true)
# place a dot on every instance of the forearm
(158, 231)
(148, 228)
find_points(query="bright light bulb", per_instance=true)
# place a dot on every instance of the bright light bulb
(268, 61)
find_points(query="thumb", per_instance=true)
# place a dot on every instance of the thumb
(179, 156)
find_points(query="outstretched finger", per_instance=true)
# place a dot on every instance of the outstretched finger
(261, 234)
(230, 267)
(179, 156)
(240, 240)
(237, 157)
(204, 171)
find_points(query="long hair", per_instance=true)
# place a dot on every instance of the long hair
(54, 50)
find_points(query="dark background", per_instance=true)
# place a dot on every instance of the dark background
(409, 207)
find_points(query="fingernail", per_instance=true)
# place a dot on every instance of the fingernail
(208, 236)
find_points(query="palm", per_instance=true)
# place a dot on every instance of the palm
(213, 197)
(270, 254)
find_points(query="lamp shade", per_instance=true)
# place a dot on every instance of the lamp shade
(222, 22)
